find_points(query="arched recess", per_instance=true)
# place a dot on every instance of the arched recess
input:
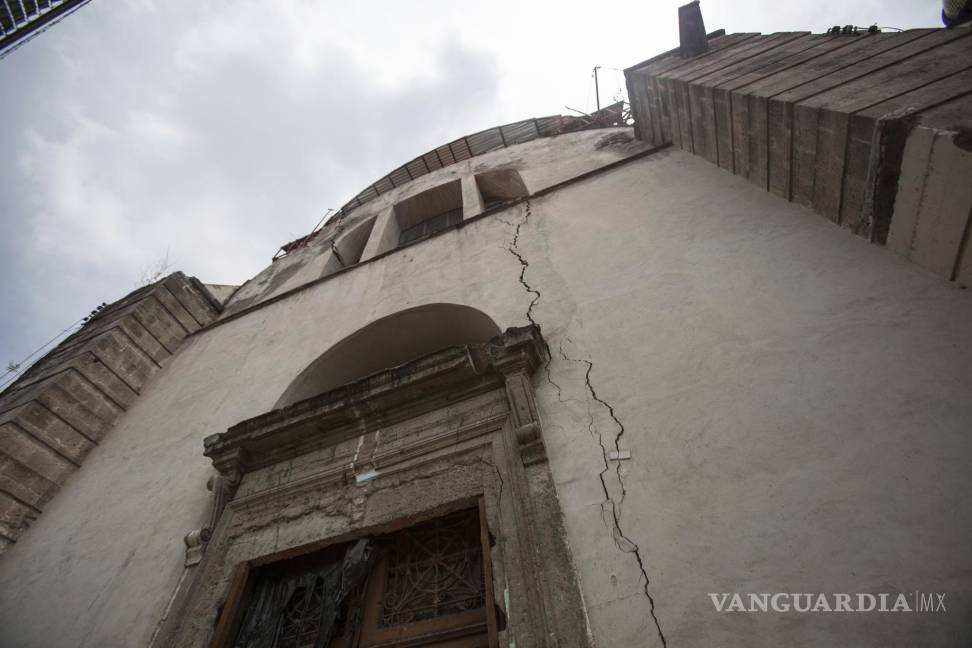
(389, 342)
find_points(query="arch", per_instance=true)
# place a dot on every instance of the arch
(388, 342)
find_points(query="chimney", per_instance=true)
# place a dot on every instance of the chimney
(691, 31)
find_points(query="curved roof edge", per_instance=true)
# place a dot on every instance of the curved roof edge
(470, 146)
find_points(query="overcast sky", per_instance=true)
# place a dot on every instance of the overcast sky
(213, 132)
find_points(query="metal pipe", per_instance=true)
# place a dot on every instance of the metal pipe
(597, 93)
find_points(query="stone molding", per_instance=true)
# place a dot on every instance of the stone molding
(356, 460)
(383, 399)
(64, 405)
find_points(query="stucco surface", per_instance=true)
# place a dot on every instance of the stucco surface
(795, 401)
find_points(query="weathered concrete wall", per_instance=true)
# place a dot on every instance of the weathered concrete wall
(541, 164)
(933, 216)
(824, 121)
(795, 402)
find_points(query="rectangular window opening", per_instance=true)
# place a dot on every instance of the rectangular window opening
(429, 212)
(500, 186)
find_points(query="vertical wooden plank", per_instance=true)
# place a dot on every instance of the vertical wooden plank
(232, 613)
(488, 576)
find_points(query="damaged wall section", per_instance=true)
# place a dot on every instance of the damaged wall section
(611, 506)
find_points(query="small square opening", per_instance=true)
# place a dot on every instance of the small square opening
(500, 186)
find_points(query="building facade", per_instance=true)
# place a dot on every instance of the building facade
(566, 382)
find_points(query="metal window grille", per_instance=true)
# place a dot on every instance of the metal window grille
(430, 226)
(434, 570)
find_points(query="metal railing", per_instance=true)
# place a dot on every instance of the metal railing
(469, 146)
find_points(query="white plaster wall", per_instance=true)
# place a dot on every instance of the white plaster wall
(796, 403)
(542, 163)
(107, 552)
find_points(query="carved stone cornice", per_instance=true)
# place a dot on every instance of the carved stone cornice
(456, 424)
(223, 486)
(388, 462)
(195, 542)
(376, 401)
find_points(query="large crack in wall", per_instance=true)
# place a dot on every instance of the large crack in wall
(611, 509)
(334, 249)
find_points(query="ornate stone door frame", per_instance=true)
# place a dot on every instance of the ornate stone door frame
(392, 449)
